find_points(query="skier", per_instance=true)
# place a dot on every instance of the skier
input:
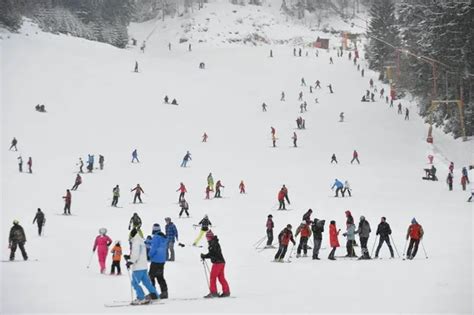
(330, 88)
(218, 267)
(77, 182)
(364, 231)
(294, 51)
(303, 83)
(158, 254)
(189, 47)
(350, 234)
(182, 190)
(349, 218)
(347, 188)
(333, 241)
(295, 138)
(282, 96)
(300, 96)
(472, 194)
(138, 261)
(81, 165)
(331, 61)
(135, 156)
(304, 106)
(138, 192)
(270, 225)
(204, 223)
(274, 139)
(136, 66)
(171, 234)
(20, 164)
(384, 231)
(101, 162)
(136, 223)
(399, 108)
(355, 157)
(305, 231)
(166, 99)
(372, 97)
(186, 158)
(204, 137)
(13, 145)
(430, 159)
(449, 181)
(362, 73)
(102, 243)
(90, 162)
(67, 202)
(218, 189)
(318, 84)
(210, 182)
(115, 195)
(40, 220)
(463, 182)
(333, 158)
(184, 207)
(284, 239)
(339, 187)
(208, 191)
(282, 195)
(415, 232)
(310, 89)
(116, 257)
(341, 117)
(382, 90)
(264, 107)
(299, 52)
(465, 174)
(407, 115)
(451, 167)
(242, 187)
(16, 239)
(317, 227)
(307, 216)
(371, 83)
(301, 107)
(30, 164)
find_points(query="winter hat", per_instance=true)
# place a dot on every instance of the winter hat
(102, 231)
(209, 235)
(348, 213)
(384, 218)
(133, 232)
(270, 216)
(288, 226)
(413, 221)
(15, 222)
(156, 228)
(362, 218)
(333, 222)
(310, 210)
(168, 219)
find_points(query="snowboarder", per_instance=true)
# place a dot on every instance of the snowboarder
(67, 202)
(186, 158)
(384, 231)
(136, 66)
(339, 187)
(77, 182)
(295, 138)
(135, 156)
(242, 187)
(305, 231)
(138, 192)
(30, 164)
(449, 181)
(115, 195)
(355, 157)
(116, 257)
(330, 88)
(341, 117)
(218, 189)
(204, 137)
(13, 145)
(210, 182)
(347, 188)
(166, 99)
(364, 232)
(303, 83)
(184, 207)
(284, 238)
(415, 232)
(16, 239)
(282, 96)
(350, 234)
(20, 164)
(182, 190)
(333, 241)
(407, 114)
(158, 255)
(102, 243)
(317, 227)
(40, 220)
(101, 162)
(270, 225)
(172, 235)
(307, 216)
(136, 223)
(333, 158)
(81, 165)
(218, 267)
(264, 107)
(138, 261)
(204, 224)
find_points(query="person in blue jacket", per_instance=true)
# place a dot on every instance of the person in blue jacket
(90, 162)
(186, 158)
(171, 235)
(158, 253)
(339, 187)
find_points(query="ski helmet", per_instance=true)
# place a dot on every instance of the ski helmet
(102, 231)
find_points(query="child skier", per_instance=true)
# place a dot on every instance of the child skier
(116, 257)
(102, 243)
(204, 224)
(284, 239)
(13, 145)
(184, 207)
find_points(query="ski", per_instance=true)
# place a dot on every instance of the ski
(283, 261)
(18, 261)
(201, 298)
(128, 303)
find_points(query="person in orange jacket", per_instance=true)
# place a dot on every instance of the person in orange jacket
(333, 241)
(242, 187)
(116, 257)
(305, 231)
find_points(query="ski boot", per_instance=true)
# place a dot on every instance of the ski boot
(140, 302)
(152, 296)
(211, 295)
(224, 294)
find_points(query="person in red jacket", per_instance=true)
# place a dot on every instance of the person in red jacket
(355, 157)
(305, 231)
(415, 232)
(269, 226)
(281, 199)
(77, 182)
(284, 239)
(242, 187)
(182, 190)
(333, 240)
(67, 202)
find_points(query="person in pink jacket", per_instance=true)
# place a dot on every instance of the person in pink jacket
(102, 243)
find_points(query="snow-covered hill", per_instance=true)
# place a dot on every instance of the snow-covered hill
(97, 105)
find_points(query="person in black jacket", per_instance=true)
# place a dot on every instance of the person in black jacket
(17, 238)
(40, 220)
(384, 231)
(307, 216)
(318, 228)
(218, 266)
(270, 226)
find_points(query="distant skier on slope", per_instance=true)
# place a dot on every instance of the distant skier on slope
(67, 202)
(77, 182)
(333, 158)
(269, 230)
(186, 158)
(204, 137)
(339, 187)
(330, 89)
(136, 67)
(184, 207)
(30, 164)
(294, 138)
(40, 220)
(355, 157)
(116, 257)
(115, 195)
(13, 145)
(138, 192)
(205, 223)
(242, 187)
(210, 182)
(218, 189)
(182, 190)
(102, 243)
(136, 223)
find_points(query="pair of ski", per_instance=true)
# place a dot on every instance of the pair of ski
(160, 302)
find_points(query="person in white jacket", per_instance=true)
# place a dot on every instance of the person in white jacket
(138, 261)
(347, 188)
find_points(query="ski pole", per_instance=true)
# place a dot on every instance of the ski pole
(423, 246)
(205, 274)
(404, 249)
(291, 252)
(373, 247)
(90, 260)
(256, 245)
(394, 245)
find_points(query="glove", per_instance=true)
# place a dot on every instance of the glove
(202, 256)
(127, 257)
(344, 234)
(128, 264)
